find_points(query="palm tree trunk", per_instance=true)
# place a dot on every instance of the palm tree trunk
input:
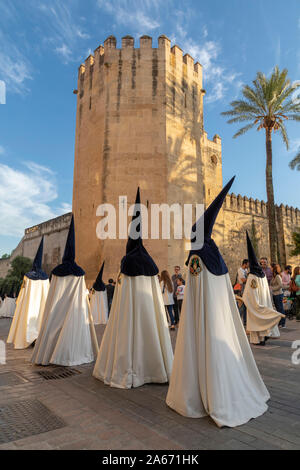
(270, 197)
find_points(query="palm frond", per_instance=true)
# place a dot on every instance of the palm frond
(241, 118)
(294, 117)
(283, 133)
(243, 130)
(268, 103)
(255, 98)
(295, 163)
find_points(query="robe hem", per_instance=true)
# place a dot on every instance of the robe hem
(140, 382)
(220, 423)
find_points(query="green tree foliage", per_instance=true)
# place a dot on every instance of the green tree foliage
(19, 266)
(296, 244)
(11, 284)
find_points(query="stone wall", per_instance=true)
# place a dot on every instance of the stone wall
(55, 233)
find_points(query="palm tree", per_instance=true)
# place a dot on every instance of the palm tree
(295, 163)
(267, 104)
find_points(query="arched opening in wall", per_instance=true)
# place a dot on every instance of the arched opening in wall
(214, 160)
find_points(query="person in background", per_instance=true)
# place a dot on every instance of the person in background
(110, 289)
(180, 293)
(266, 269)
(277, 292)
(177, 274)
(295, 290)
(241, 279)
(167, 292)
(286, 277)
(242, 274)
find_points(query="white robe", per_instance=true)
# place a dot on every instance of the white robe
(262, 318)
(136, 346)
(8, 307)
(214, 372)
(99, 308)
(29, 312)
(65, 336)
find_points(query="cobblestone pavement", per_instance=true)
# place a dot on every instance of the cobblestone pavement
(80, 412)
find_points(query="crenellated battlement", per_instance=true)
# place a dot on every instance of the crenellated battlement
(243, 204)
(108, 54)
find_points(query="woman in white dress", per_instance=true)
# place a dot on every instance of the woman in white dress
(31, 301)
(136, 346)
(262, 318)
(98, 300)
(214, 372)
(67, 329)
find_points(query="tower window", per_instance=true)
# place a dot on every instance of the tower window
(214, 160)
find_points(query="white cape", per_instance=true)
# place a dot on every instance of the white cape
(214, 372)
(65, 336)
(29, 312)
(136, 346)
(262, 318)
(8, 307)
(99, 307)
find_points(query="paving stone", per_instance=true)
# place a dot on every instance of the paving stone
(99, 417)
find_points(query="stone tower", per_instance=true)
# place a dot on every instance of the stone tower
(139, 123)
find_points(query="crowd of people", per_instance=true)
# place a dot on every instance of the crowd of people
(284, 285)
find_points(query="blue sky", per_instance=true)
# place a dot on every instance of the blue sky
(42, 43)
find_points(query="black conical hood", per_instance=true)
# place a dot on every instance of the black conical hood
(99, 284)
(137, 261)
(68, 266)
(255, 267)
(37, 262)
(211, 213)
(36, 272)
(209, 253)
(69, 253)
(132, 243)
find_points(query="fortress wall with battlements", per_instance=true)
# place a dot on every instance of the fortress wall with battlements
(55, 234)
(243, 213)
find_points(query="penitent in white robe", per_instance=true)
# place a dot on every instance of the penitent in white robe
(65, 336)
(99, 307)
(262, 319)
(8, 307)
(136, 346)
(214, 372)
(29, 312)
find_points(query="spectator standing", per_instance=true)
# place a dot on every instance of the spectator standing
(177, 274)
(167, 292)
(110, 289)
(242, 274)
(241, 279)
(286, 277)
(180, 293)
(277, 292)
(295, 290)
(266, 269)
